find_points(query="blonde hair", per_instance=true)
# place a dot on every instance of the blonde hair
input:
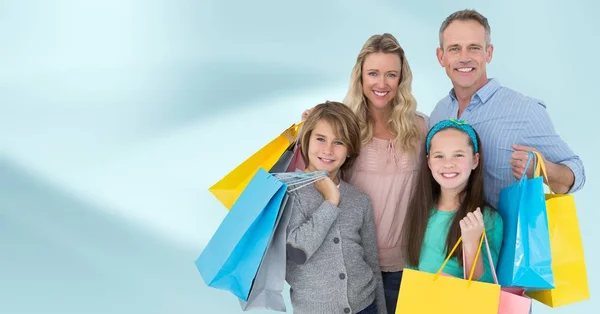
(401, 122)
(345, 125)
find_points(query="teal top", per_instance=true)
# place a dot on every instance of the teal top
(433, 250)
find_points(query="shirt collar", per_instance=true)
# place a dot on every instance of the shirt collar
(484, 93)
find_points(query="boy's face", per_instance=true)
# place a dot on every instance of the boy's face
(325, 150)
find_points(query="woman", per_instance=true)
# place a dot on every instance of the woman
(393, 134)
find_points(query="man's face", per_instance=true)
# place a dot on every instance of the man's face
(464, 54)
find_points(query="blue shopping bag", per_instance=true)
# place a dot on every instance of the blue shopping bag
(525, 259)
(266, 292)
(231, 259)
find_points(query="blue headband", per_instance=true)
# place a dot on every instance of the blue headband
(455, 124)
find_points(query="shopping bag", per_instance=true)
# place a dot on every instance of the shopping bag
(291, 160)
(525, 258)
(422, 292)
(568, 261)
(266, 292)
(512, 299)
(283, 163)
(232, 257)
(267, 287)
(297, 162)
(228, 189)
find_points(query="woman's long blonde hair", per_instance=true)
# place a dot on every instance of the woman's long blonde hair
(401, 122)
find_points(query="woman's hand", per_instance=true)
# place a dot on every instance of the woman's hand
(306, 113)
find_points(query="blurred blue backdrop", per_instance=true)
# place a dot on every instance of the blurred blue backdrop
(116, 117)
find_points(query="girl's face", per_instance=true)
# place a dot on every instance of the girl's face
(451, 159)
(325, 150)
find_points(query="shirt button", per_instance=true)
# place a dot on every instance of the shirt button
(347, 310)
(342, 276)
(336, 240)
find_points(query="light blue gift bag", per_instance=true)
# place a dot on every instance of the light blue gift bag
(231, 259)
(525, 259)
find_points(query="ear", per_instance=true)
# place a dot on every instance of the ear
(476, 161)
(439, 53)
(490, 53)
(428, 162)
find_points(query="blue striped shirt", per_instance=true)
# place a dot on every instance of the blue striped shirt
(503, 117)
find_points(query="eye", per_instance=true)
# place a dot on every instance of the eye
(392, 75)
(475, 48)
(459, 155)
(338, 143)
(372, 73)
(320, 139)
(453, 49)
(438, 156)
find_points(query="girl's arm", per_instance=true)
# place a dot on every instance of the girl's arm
(494, 232)
(494, 228)
(470, 251)
(306, 233)
(471, 228)
(369, 243)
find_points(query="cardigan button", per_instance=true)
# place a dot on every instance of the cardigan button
(347, 310)
(336, 240)
(342, 276)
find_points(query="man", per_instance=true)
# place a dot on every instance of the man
(509, 123)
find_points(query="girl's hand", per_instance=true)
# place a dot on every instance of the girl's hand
(471, 228)
(329, 190)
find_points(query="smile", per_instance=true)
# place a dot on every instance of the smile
(465, 70)
(380, 94)
(327, 161)
(450, 175)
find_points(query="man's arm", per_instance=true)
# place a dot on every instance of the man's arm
(566, 173)
(561, 177)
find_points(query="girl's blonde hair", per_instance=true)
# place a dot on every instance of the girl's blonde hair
(401, 122)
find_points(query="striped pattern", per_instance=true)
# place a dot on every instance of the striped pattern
(503, 117)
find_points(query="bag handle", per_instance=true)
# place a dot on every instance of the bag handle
(298, 180)
(489, 254)
(291, 134)
(474, 262)
(540, 168)
(530, 156)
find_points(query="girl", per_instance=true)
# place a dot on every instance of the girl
(331, 244)
(449, 203)
(393, 133)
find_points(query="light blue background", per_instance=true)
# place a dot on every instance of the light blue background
(116, 117)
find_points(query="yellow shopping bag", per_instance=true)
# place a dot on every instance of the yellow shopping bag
(422, 292)
(229, 188)
(568, 261)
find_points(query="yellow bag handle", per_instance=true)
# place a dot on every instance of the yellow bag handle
(452, 252)
(540, 168)
(292, 132)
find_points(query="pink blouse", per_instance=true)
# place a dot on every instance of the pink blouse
(387, 175)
